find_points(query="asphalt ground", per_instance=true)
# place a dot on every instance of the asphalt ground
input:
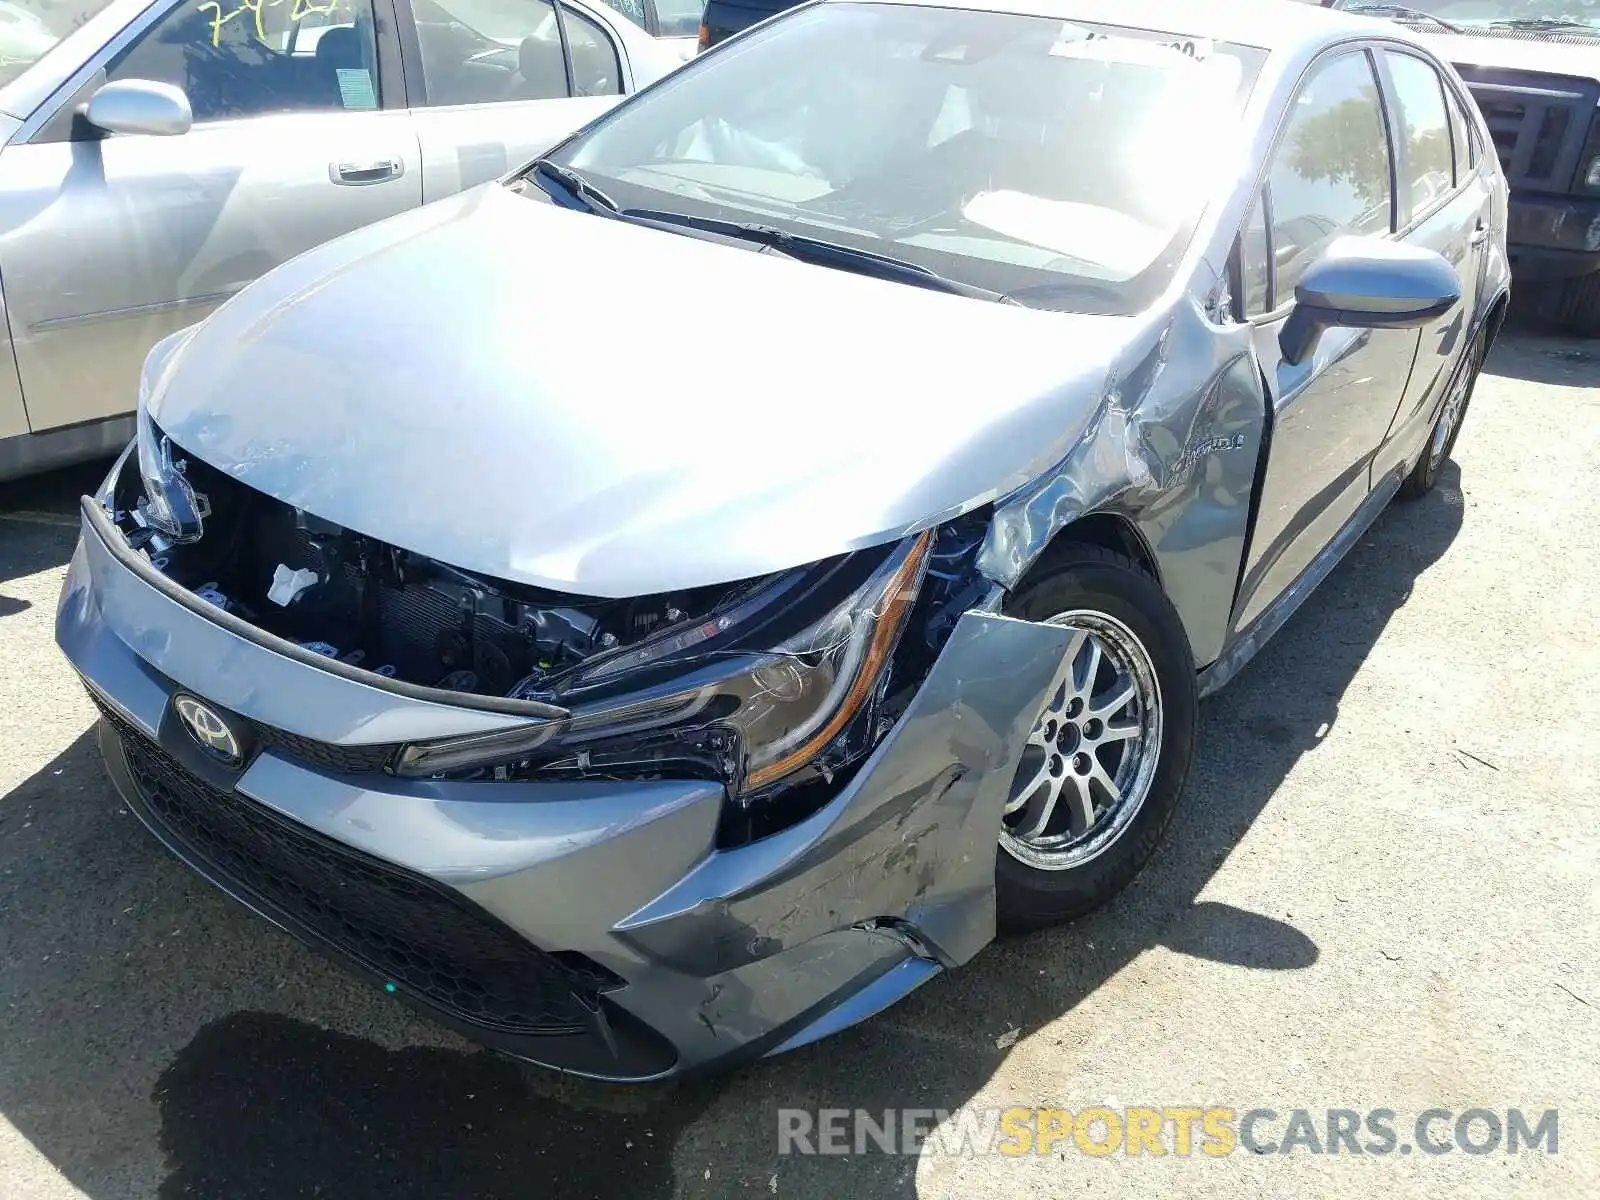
(1381, 893)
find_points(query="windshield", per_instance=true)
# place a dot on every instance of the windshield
(30, 27)
(1527, 18)
(1013, 153)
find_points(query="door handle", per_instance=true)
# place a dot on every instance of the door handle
(354, 174)
(1480, 235)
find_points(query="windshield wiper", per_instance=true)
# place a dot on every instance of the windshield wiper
(1546, 24)
(575, 185)
(1400, 12)
(821, 252)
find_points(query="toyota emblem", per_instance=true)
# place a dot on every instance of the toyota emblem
(207, 728)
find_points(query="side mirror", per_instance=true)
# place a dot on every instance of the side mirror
(1367, 283)
(140, 106)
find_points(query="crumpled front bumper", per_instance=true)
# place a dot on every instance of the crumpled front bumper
(712, 954)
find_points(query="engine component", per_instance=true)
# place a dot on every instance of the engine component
(366, 602)
(209, 593)
(288, 582)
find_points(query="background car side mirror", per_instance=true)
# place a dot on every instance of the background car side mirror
(140, 106)
(1367, 283)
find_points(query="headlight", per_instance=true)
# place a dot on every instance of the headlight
(171, 506)
(752, 718)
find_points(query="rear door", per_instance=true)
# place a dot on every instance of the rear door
(108, 244)
(1445, 202)
(501, 81)
(1331, 174)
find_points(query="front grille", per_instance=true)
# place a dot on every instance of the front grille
(408, 930)
(1538, 123)
(336, 760)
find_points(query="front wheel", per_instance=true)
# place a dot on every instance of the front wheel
(1109, 753)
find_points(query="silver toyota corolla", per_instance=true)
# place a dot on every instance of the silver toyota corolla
(645, 688)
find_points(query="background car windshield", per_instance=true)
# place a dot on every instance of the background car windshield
(28, 28)
(1065, 161)
(1502, 14)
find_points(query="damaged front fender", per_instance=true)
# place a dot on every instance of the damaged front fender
(911, 839)
(1172, 448)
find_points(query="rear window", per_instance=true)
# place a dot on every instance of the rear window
(1063, 162)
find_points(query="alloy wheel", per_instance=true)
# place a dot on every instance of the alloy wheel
(1089, 762)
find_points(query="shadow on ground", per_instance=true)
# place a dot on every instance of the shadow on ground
(1538, 354)
(38, 523)
(143, 1010)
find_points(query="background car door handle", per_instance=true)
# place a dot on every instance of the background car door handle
(1479, 235)
(357, 173)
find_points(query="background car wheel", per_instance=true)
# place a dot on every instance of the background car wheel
(1578, 306)
(1110, 749)
(1448, 427)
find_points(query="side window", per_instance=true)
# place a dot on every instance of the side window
(596, 70)
(235, 59)
(1464, 133)
(1255, 276)
(632, 9)
(1428, 160)
(1330, 173)
(483, 51)
(679, 18)
(1460, 142)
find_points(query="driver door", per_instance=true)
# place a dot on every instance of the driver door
(1330, 175)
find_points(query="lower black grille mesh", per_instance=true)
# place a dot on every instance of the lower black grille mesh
(325, 756)
(400, 926)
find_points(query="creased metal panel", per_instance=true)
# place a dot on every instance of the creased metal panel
(1172, 445)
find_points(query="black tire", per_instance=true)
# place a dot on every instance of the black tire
(1578, 306)
(1089, 577)
(1425, 474)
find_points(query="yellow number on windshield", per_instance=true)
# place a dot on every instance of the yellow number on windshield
(300, 11)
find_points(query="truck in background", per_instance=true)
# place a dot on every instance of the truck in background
(1533, 67)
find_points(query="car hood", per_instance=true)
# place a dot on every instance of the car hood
(1530, 53)
(558, 399)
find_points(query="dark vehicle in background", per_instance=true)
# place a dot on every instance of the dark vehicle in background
(1533, 67)
(722, 19)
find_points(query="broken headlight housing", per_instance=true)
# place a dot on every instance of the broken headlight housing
(780, 686)
(171, 507)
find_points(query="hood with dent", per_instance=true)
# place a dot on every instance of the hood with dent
(1528, 53)
(577, 403)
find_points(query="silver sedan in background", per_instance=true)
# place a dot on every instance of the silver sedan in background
(156, 157)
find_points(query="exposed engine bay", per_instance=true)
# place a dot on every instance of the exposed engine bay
(399, 614)
(778, 686)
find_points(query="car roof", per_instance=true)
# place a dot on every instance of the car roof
(1266, 24)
